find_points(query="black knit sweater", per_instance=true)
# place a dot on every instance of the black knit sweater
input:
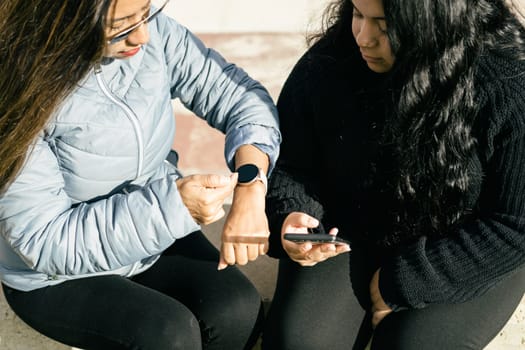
(330, 148)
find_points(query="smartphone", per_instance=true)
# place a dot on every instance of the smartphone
(314, 238)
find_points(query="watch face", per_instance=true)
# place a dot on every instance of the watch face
(247, 173)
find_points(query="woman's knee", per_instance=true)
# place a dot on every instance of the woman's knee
(239, 309)
(174, 328)
(234, 320)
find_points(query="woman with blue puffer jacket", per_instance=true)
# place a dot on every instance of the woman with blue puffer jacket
(100, 242)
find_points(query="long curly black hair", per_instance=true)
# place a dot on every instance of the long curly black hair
(437, 44)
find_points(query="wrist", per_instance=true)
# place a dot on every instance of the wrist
(250, 175)
(249, 197)
(256, 188)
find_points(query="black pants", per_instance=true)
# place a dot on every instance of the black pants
(315, 308)
(182, 302)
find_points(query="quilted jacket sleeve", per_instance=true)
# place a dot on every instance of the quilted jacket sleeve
(52, 235)
(220, 92)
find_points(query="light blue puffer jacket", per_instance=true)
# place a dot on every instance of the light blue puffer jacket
(96, 195)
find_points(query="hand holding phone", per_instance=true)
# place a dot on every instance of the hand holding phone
(314, 238)
(309, 249)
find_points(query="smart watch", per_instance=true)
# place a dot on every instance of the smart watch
(249, 173)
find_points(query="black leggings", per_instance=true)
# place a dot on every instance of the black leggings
(181, 302)
(315, 308)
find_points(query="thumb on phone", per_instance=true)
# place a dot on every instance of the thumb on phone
(299, 222)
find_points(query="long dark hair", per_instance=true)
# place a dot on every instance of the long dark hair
(433, 98)
(46, 48)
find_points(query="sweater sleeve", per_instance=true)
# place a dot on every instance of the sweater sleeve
(287, 194)
(293, 185)
(487, 248)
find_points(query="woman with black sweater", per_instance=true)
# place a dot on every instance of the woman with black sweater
(404, 133)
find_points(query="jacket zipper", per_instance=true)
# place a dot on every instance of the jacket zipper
(129, 113)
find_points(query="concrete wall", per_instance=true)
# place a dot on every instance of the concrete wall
(234, 16)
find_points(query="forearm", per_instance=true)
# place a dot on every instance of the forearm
(453, 269)
(249, 154)
(286, 194)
